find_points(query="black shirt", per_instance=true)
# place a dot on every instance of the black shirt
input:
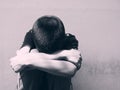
(40, 80)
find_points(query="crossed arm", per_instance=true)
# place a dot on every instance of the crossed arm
(46, 62)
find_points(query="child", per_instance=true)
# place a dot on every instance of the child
(47, 36)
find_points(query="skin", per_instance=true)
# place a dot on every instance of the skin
(46, 62)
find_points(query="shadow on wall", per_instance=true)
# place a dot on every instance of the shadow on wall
(98, 76)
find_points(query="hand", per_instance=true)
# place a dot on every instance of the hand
(34, 51)
(72, 55)
(18, 63)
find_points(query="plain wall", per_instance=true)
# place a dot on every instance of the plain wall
(96, 24)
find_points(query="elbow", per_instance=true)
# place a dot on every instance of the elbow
(70, 72)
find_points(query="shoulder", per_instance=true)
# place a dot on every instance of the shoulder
(28, 35)
(70, 41)
(28, 39)
(29, 32)
(71, 37)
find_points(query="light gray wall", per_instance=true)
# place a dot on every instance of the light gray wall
(96, 24)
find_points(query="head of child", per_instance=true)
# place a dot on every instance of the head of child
(48, 34)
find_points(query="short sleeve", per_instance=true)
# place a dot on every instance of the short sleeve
(28, 40)
(70, 42)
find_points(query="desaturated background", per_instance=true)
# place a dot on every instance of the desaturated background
(96, 24)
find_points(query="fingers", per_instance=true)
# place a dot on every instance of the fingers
(75, 56)
(34, 51)
(74, 51)
(17, 68)
(15, 64)
(74, 59)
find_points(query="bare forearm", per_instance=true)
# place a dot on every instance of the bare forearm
(45, 62)
(50, 64)
(60, 68)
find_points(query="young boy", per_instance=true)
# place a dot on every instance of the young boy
(48, 43)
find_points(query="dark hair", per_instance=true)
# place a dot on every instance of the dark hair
(48, 33)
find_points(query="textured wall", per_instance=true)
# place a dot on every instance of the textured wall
(96, 24)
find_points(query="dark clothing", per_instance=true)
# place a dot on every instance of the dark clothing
(40, 80)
